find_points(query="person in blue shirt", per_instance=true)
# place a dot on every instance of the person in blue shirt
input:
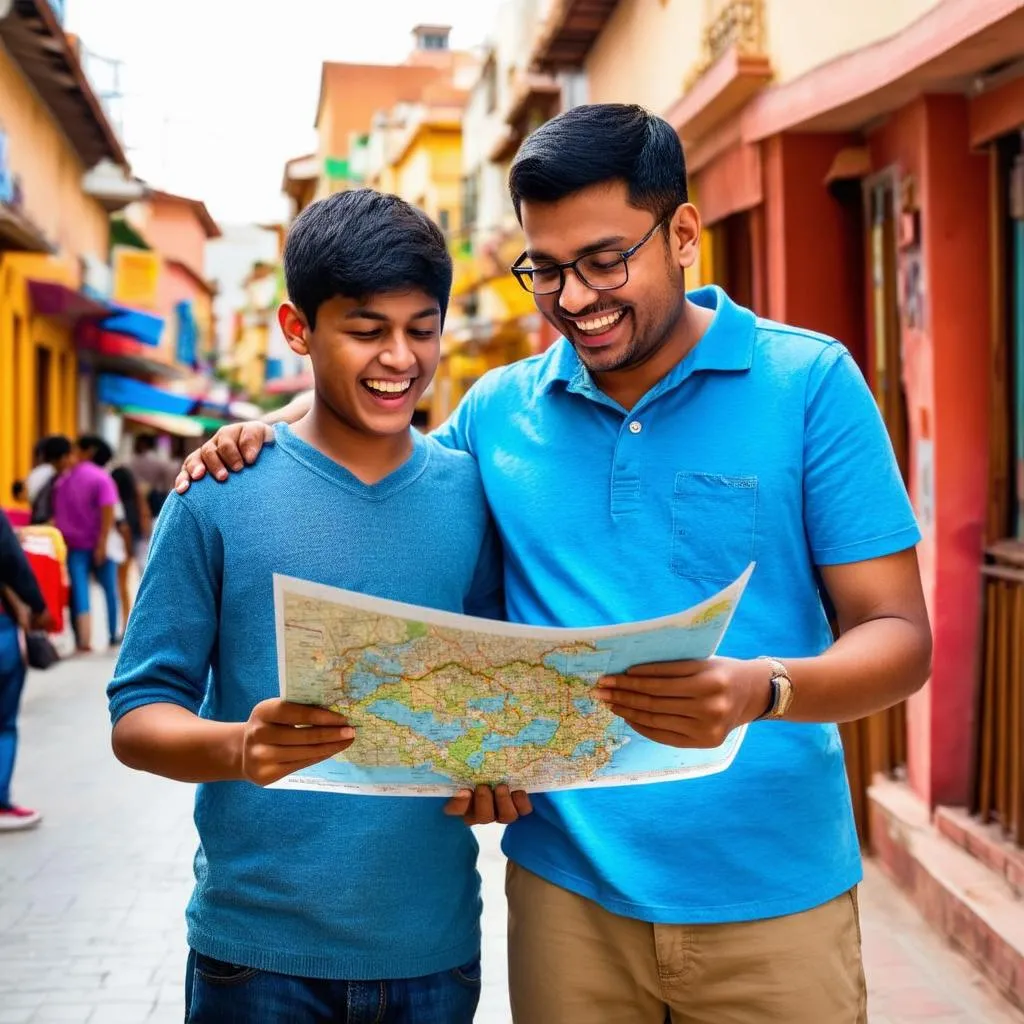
(314, 907)
(634, 468)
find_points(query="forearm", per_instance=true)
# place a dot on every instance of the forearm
(169, 740)
(869, 668)
(293, 411)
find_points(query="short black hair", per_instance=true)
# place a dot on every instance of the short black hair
(360, 243)
(597, 143)
(98, 450)
(54, 448)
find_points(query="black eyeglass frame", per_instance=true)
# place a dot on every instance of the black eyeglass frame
(523, 274)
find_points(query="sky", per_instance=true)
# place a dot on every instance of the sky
(218, 94)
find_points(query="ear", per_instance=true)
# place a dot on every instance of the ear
(686, 228)
(294, 328)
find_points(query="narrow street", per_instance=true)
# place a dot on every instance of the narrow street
(91, 902)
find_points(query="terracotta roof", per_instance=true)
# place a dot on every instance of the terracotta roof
(39, 46)
(207, 286)
(198, 208)
(367, 88)
(569, 31)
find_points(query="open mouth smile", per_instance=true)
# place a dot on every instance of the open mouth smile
(599, 324)
(388, 390)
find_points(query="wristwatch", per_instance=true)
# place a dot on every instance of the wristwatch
(782, 692)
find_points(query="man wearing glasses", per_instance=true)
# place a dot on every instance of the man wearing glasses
(633, 468)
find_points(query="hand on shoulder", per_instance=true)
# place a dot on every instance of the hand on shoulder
(231, 449)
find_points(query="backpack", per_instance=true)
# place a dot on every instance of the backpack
(42, 507)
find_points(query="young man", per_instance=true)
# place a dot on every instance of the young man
(312, 906)
(84, 502)
(636, 466)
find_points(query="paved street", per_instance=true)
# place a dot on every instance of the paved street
(91, 902)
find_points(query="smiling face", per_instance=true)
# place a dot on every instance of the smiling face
(372, 360)
(624, 327)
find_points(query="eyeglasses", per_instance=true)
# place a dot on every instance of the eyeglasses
(601, 271)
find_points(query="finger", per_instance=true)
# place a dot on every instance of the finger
(459, 804)
(505, 809)
(182, 480)
(227, 448)
(521, 799)
(311, 754)
(253, 437)
(212, 460)
(652, 720)
(195, 466)
(483, 805)
(284, 712)
(684, 706)
(660, 686)
(290, 736)
(669, 739)
(668, 668)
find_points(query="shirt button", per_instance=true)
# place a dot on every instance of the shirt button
(635, 427)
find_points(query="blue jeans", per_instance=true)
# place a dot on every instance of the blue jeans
(12, 680)
(80, 569)
(221, 993)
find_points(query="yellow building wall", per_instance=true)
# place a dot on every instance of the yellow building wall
(648, 47)
(804, 34)
(645, 52)
(49, 169)
(429, 174)
(30, 344)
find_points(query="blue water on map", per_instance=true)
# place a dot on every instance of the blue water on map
(537, 733)
(585, 749)
(487, 703)
(584, 705)
(422, 722)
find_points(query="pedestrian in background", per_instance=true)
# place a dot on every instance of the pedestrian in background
(19, 592)
(128, 522)
(54, 454)
(84, 501)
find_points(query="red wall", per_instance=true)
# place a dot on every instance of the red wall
(813, 241)
(946, 381)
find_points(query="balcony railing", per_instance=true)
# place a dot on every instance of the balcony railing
(999, 733)
(730, 24)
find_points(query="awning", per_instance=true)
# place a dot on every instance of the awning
(167, 423)
(52, 299)
(126, 392)
(18, 232)
(108, 350)
(143, 327)
(290, 385)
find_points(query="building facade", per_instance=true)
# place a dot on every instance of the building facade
(56, 145)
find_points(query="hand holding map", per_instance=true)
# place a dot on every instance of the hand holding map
(443, 702)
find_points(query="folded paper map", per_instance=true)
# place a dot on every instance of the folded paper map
(442, 701)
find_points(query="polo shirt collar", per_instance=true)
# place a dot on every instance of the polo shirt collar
(727, 346)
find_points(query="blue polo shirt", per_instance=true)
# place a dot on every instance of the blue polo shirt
(763, 444)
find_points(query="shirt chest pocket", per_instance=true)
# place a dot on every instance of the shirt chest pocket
(714, 525)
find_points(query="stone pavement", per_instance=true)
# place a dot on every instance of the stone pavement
(91, 902)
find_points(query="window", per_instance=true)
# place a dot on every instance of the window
(470, 200)
(490, 84)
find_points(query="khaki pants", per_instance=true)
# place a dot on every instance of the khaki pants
(573, 962)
